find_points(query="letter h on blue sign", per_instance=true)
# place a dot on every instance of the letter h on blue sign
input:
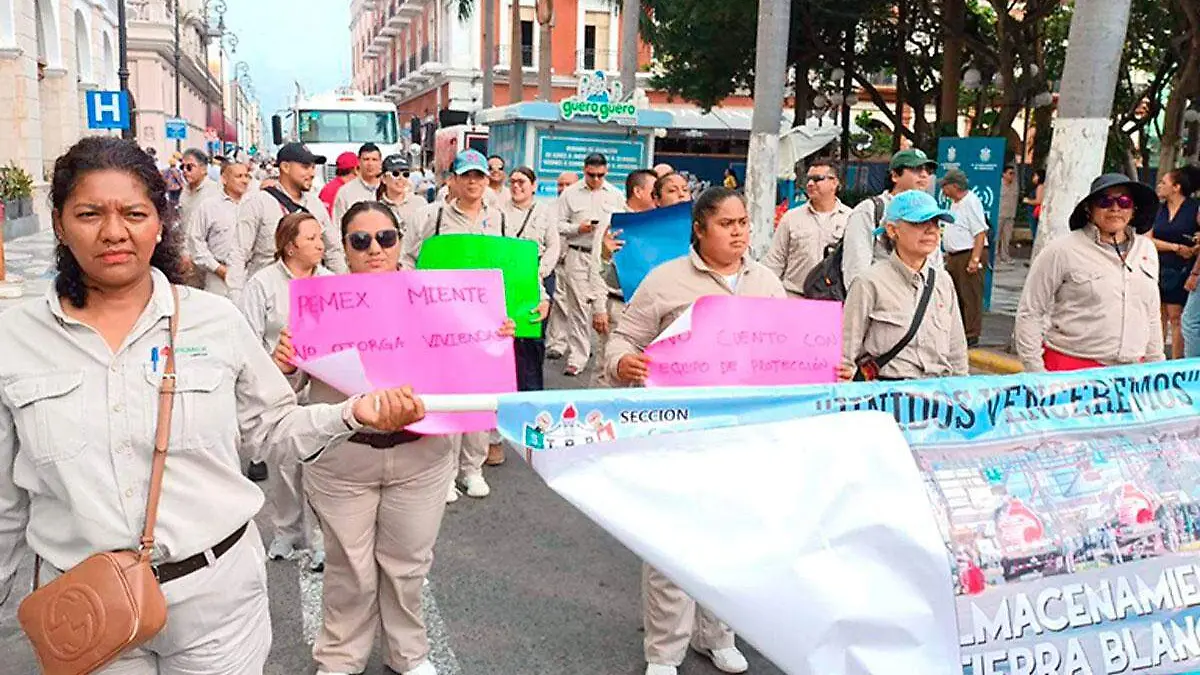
(107, 110)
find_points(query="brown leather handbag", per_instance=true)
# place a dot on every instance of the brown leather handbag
(111, 602)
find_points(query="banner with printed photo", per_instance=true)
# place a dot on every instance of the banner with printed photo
(1069, 502)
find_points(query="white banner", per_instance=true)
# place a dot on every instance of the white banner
(812, 538)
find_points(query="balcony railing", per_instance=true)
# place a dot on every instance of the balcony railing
(425, 54)
(412, 63)
(595, 59)
(504, 53)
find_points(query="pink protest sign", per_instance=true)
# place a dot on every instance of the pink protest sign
(726, 340)
(434, 330)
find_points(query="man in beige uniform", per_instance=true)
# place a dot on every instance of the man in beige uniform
(608, 300)
(261, 212)
(212, 234)
(805, 232)
(497, 192)
(198, 187)
(582, 209)
(468, 213)
(565, 180)
(364, 187)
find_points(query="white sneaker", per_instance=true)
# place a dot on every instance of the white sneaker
(728, 660)
(281, 549)
(452, 495)
(426, 668)
(476, 486)
(656, 669)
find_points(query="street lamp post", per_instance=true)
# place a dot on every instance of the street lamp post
(123, 67)
(178, 86)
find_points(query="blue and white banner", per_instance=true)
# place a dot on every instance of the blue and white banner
(1068, 503)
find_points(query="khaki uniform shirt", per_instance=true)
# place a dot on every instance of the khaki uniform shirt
(212, 239)
(1082, 300)
(350, 194)
(578, 204)
(501, 198)
(266, 302)
(406, 210)
(77, 426)
(879, 311)
(258, 218)
(1008, 200)
(669, 290)
(489, 221)
(862, 248)
(536, 224)
(800, 242)
(190, 200)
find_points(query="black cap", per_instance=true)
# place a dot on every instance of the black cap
(395, 163)
(297, 152)
(1145, 202)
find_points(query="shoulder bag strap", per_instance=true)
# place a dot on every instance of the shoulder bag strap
(437, 227)
(162, 434)
(918, 317)
(503, 220)
(289, 205)
(525, 222)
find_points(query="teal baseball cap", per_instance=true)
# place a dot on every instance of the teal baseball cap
(468, 161)
(915, 206)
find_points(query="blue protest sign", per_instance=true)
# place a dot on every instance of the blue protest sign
(651, 239)
(177, 130)
(982, 159)
(107, 109)
(556, 154)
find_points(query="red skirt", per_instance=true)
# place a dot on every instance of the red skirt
(1057, 361)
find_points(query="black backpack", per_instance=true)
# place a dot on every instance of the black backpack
(825, 282)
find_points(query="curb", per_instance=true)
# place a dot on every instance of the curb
(993, 362)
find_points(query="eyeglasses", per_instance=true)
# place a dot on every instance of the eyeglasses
(1120, 201)
(361, 241)
(595, 176)
(399, 174)
(819, 179)
(187, 167)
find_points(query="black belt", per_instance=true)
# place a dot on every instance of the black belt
(616, 296)
(385, 441)
(172, 571)
(581, 249)
(965, 250)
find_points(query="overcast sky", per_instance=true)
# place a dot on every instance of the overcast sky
(284, 41)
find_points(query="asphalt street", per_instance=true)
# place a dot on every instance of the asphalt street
(522, 584)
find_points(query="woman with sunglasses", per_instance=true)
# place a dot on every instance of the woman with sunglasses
(887, 300)
(533, 220)
(299, 249)
(1091, 298)
(380, 504)
(396, 191)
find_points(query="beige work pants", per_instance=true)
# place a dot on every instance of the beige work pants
(291, 514)
(218, 620)
(615, 309)
(471, 450)
(380, 511)
(556, 325)
(671, 618)
(574, 288)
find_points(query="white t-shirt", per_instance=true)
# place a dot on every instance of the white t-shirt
(731, 280)
(969, 221)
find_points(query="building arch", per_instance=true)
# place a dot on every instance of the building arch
(84, 65)
(8, 24)
(49, 33)
(109, 77)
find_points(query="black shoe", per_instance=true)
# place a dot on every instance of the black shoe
(973, 342)
(257, 472)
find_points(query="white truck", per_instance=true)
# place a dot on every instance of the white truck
(337, 122)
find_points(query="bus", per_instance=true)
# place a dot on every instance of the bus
(333, 123)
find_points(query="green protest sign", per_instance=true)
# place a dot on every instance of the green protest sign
(517, 259)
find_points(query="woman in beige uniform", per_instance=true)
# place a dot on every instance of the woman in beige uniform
(882, 304)
(380, 506)
(79, 390)
(395, 190)
(264, 302)
(1091, 298)
(718, 264)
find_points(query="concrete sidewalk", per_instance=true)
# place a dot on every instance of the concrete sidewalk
(995, 354)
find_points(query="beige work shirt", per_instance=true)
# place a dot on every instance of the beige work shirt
(800, 241)
(266, 302)
(212, 239)
(1082, 300)
(77, 426)
(258, 218)
(879, 310)
(579, 204)
(669, 290)
(190, 200)
(350, 194)
(490, 220)
(406, 209)
(536, 223)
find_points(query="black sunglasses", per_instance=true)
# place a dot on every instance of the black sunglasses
(398, 174)
(819, 179)
(188, 167)
(361, 241)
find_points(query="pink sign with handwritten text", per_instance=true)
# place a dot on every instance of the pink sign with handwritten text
(434, 330)
(727, 340)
